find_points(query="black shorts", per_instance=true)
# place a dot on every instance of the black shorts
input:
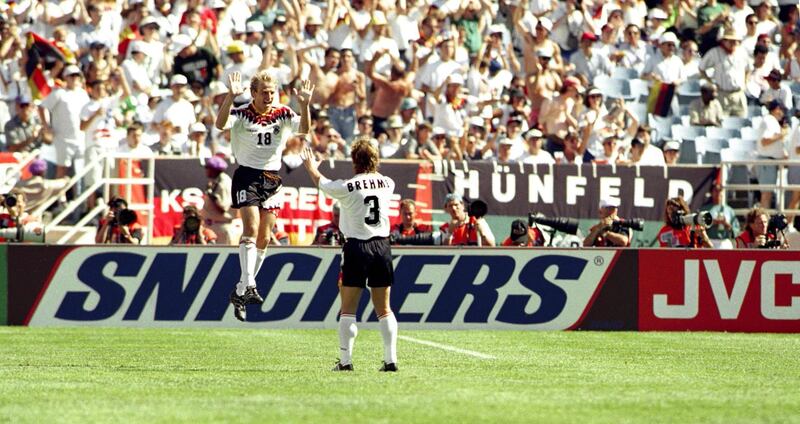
(367, 261)
(253, 187)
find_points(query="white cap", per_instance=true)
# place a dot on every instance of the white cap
(137, 47)
(672, 145)
(218, 4)
(546, 23)
(313, 19)
(254, 26)
(476, 121)
(178, 79)
(180, 42)
(669, 37)
(505, 141)
(546, 51)
(495, 29)
(609, 203)
(150, 20)
(438, 131)
(197, 127)
(656, 13)
(456, 79)
(533, 132)
(71, 70)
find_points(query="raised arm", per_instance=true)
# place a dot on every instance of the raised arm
(235, 88)
(304, 98)
(311, 163)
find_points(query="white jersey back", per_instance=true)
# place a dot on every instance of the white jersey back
(257, 140)
(364, 202)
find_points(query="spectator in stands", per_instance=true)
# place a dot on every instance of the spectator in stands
(24, 132)
(725, 225)
(198, 64)
(170, 142)
(14, 215)
(731, 65)
(672, 152)
(38, 189)
(794, 175)
(330, 234)
(393, 144)
(706, 110)
(388, 92)
(676, 234)
(711, 18)
(64, 106)
(462, 229)
(771, 146)
(119, 226)
(347, 97)
(667, 67)
(776, 91)
(196, 146)
(559, 115)
(523, 236)
(611, 151)
(642, 150)
(449, 107)
(192, 230)
(574, 151)
(634, 49)
(133, 141)
(589, 64)
(409, 225)
(217, 202)
(792, 69)
(607, 232)
(755, 233)
(535, 154)
(176, 109)
(757, 78)
(690, 58)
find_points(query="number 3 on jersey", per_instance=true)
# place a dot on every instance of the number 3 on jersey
(264, 139)
(374, 210)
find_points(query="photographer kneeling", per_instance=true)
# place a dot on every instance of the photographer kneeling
(762, 231)
(464, 229)
(192, 230)
(683, 229)
(611, 231)
(119, 225)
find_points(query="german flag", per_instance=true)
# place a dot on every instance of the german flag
(42, 54)
(659, 102)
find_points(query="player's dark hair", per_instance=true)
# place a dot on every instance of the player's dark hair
(365, 156)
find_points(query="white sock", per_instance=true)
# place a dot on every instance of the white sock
(260, 255)
(347, 337)
(388, 325)
(247, 261)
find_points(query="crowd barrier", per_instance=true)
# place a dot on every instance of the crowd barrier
(435, 288)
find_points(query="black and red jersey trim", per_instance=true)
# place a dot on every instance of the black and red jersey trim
(249, 113)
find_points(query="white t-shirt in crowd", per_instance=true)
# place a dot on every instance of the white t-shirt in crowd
(770, 127)
(364, 201)
(65, 111)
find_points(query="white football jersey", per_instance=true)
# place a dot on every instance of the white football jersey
(257, 140)
(364, 202)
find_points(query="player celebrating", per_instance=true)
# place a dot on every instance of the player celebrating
(259, 133)
(366, 254)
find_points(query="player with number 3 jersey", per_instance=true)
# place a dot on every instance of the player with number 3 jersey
(367, 253)
(259, 132)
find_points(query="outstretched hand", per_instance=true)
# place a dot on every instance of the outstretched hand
(305, 93)
(309, 158)
(235, 86)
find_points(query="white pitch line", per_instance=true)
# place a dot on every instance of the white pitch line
(447, 347)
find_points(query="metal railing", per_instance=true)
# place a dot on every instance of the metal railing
(106, 182)
(781, 187)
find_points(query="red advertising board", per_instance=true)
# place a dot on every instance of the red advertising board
(713, 290)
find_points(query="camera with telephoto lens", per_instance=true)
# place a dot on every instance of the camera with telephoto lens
(32, 233)
(635, 224)
(679, 219)
(430, 238)
(9, 200)
(565, 225)
(478, 208)
(332, 237)
(777, 223)
(126, 217)
(191, 224)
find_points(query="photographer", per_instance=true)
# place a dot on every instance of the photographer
(677, 232)
(758, 233)
(217, 202)
(12, 206)
(523, 235)
(192, 230)
(408, 225)
(464, 229)
(608, 232)
(329, 234)
(120, 225)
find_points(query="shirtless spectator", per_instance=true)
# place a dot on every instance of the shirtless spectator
(348, 94)
(389, 92)
(543, 83)
(559, 115)
(323, 77)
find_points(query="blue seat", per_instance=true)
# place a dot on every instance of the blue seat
(687, 133)
(750, 133)
(755, 110)
(688, 152)
(639, 110)
(689, 88)
(640, 89)
(613, 87)
(747, 144)
(708, 149)
(662, 127)
(624, 73)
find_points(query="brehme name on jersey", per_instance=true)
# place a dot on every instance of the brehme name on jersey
(367, 184)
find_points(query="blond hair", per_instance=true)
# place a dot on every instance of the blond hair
(261, 78)
(365, 156)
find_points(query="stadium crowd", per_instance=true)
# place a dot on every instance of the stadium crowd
(539, 81)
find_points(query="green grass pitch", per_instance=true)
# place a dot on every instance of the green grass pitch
(268, 376)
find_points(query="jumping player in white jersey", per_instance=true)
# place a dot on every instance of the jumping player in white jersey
(259, 132)
(366, 254)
